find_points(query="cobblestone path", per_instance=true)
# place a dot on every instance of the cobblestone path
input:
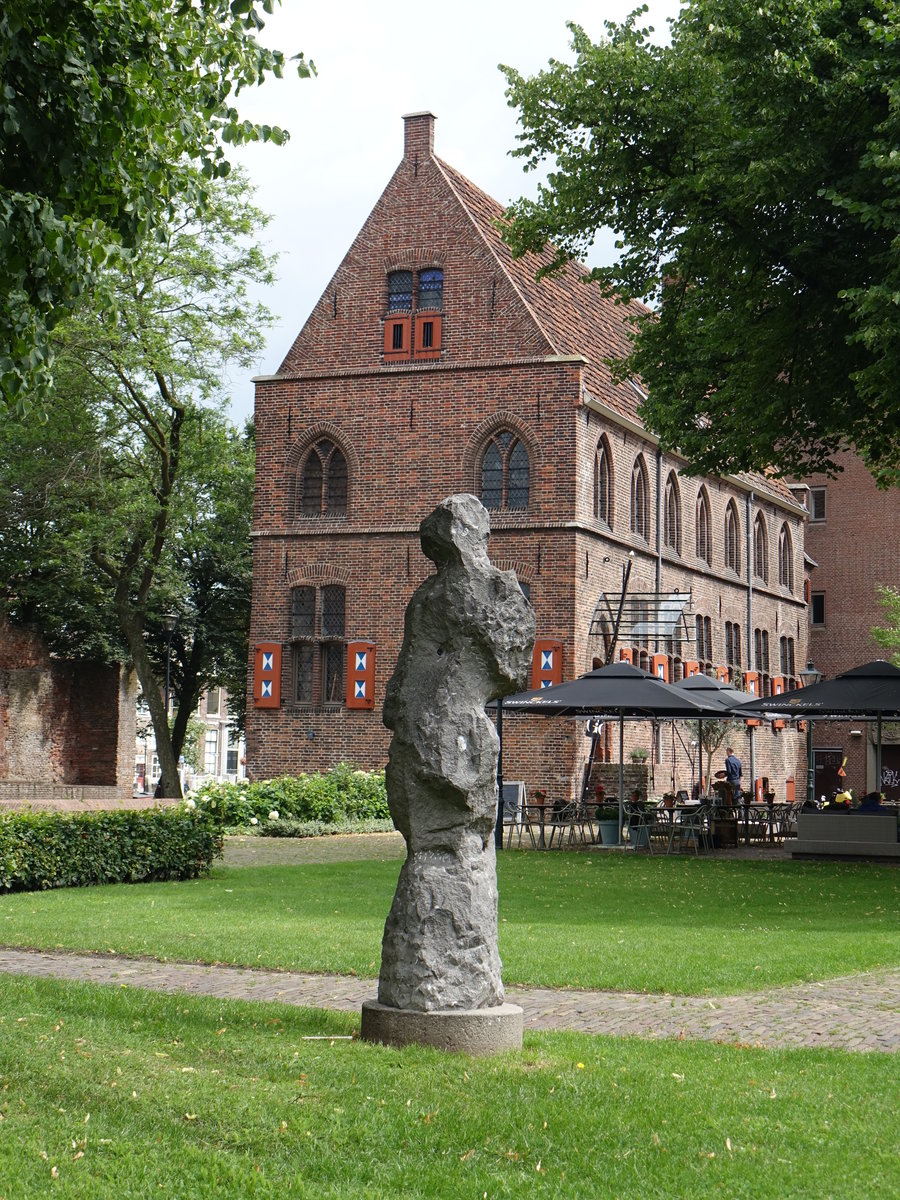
(859, 1012)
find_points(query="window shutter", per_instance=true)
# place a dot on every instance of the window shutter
(627, 656)
(428, 335)
(691, 668)
(777, 685)
(751, 682)
(267, 676)
(546, 663)
(361, 675)
(660, 666)
(397, 336)
(722, 674)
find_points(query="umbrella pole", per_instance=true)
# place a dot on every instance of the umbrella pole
(752, 735)
(621, 777)
(878, 758)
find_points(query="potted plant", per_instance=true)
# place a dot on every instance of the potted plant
(640, 755)
(608, 824)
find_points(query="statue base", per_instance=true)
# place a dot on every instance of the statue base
(476, 1031)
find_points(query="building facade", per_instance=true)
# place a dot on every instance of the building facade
(852, 536)
(434, 363)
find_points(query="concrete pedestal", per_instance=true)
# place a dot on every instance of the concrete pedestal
(477, 1031)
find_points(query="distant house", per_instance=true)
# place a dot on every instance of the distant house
(435, 363)
(852, 536)
(217, 751)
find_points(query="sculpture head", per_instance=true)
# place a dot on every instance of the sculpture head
(457, 530)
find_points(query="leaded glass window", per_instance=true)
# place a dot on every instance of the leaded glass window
(603, 483)
(400, 289)
(318, 620)
(732, 539)
(785, 559)
(431, 289)
(672, 515)
(323, 482)
(704, 542)
(640, 506)
(505, 473)
(760, 549)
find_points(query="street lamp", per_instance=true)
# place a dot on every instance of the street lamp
(170, 620)
(808, 677)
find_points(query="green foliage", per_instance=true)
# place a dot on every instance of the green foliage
(312, 829)
(751, 174)
(888, 635)
(133, 498)
(40, 850)
(113, 115)
(331, 798)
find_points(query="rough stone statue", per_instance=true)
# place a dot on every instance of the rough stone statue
(467, 640)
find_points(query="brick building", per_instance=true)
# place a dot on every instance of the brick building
(434, 363)
(66, 728)
(852, 536)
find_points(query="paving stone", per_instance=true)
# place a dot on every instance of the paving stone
(860, 1013)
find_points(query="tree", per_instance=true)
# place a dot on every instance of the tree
(133, 499)
(889, 635)
(105, 109)
(750, 171)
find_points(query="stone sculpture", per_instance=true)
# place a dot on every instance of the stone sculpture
(467, 640)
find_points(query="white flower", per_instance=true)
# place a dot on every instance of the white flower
(191, 803)
(254, 821)
(273, 815)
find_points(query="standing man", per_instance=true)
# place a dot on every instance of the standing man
(733, 773)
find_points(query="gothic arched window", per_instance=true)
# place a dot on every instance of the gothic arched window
(704, 541)
(672, 515)
(640, 499)
(785, 559)
(322, 482)
(732, 539)
(505, 473)
(603, 483)
(760, 549)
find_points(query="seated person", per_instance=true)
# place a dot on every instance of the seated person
(871, 802)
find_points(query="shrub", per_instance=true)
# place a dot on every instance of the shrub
(331, 797)
(41, 850)
(302, 829)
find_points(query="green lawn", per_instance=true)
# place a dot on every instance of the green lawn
(109, 1093)
(681, 925)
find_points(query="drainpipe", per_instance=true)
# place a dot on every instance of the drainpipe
(751, 731)
(659, 527)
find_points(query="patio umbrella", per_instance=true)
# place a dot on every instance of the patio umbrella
(706, 690)
(618, 690)
(870, 691)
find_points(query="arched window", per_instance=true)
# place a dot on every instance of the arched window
(505, 473)
(785, 559)
(704, 541)
(603, 483)
(640, 499)
(760, 549)
(672, 515)
(318, 619)
(322, 484)
(732, 539)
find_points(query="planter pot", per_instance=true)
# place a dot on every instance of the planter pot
(609, 832)
(639, 836)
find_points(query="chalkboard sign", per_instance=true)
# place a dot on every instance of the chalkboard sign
(513, 801)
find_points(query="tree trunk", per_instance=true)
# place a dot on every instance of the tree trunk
(169, 783)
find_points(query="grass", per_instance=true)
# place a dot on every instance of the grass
(107, 1093)
(680, 925)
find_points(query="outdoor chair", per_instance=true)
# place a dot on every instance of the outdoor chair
(563, 823)
(691, 829)
(641, 823)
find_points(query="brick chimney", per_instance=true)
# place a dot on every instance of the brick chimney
(418, 135)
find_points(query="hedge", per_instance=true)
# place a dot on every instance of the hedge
(342, 794)
(41, 850)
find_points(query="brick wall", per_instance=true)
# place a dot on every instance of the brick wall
(62, 723)
(413, 433)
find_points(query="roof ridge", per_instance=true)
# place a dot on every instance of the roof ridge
(448, 172)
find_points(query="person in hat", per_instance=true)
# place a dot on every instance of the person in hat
(871, 802)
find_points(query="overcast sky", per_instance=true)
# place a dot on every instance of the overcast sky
(375, 63)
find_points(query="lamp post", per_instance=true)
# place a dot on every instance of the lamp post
(808, 677)
(170, 620)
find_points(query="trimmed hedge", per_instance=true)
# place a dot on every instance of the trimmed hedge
(332, 797)
(40, 850)
(307, 829)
